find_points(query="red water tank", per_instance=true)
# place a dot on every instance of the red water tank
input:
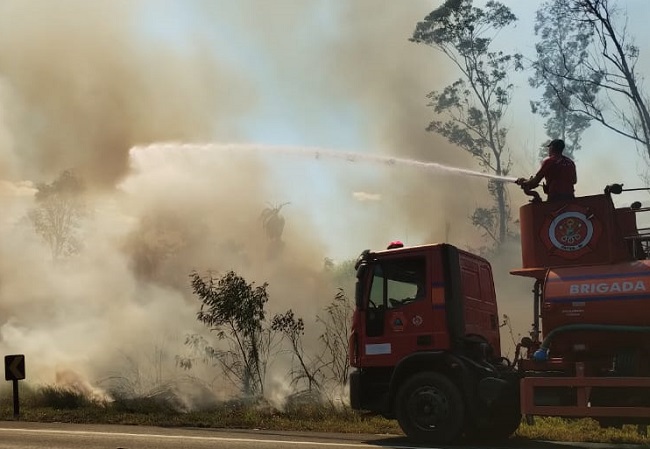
(583, 231)
(616, 295)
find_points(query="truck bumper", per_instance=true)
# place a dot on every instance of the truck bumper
(574, 396)
(367, 393)
(355, 389)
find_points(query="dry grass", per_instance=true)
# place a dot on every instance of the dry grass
(51, 404)
(580, 430)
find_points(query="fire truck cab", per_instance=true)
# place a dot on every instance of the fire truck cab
(425, 342)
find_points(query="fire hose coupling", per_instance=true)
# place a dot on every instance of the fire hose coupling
(541, 354)
(523, 183)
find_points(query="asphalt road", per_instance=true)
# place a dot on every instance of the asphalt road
(24, 435)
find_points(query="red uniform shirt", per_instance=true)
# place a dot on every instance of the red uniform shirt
(560, 174)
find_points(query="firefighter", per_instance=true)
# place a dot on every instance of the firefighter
(558, 171)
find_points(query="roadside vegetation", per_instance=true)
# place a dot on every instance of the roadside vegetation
(238, 344)
(240, 340)
(54, 404)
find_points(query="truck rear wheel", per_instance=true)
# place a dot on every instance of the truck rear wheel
(430, 409)
(503, 422)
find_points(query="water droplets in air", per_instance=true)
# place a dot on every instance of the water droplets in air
(316, 153)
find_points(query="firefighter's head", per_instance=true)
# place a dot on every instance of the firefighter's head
(556, 147)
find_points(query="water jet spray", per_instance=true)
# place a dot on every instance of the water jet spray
(318, 153)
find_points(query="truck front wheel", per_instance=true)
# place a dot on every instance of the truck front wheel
(430, 409)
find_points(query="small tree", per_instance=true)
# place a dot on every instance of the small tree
(58, 213)
(475, 104)
(234, 310)
(335, 337)
(332, 364)
(293, 330)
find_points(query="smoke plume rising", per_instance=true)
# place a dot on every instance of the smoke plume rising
(81, 84)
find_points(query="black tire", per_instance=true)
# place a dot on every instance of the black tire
(505, 422)
(499, 421)
(430, 409)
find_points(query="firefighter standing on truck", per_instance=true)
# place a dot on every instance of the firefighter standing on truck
(559, 172)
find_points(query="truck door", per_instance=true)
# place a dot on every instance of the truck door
(398, 315)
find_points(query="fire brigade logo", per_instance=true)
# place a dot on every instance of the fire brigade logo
(570, 231)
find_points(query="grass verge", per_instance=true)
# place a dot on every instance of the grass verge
(52, 404)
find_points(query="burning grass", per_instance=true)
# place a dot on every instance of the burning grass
(60, 404)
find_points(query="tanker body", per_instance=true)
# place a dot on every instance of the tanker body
(592, 308)
(599, 312)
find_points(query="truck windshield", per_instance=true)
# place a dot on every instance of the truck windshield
(397, 282)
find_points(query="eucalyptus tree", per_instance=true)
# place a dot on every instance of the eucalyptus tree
(561, 51)
(58, 213)
(471, 111)
(606, 84)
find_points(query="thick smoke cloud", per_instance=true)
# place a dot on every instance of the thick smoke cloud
(82, 83)
(365, 59)
(390, 77)
(80, 86)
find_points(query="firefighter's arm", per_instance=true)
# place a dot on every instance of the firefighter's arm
(530, 183)
(535, 180)
(523, 182)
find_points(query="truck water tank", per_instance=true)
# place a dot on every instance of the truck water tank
(615, 297)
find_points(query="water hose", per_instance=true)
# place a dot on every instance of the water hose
(542, 353)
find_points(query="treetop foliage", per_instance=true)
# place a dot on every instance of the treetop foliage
(231, 300)
(459, 25)
(589, 68)
(67, 184)
(561, 51)
(59, 209)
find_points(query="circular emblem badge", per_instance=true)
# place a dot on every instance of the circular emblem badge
(417, 320)
(570, 231)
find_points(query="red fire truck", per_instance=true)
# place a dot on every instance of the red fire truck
(425, 345)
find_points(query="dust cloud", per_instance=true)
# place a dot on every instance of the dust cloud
(81, 84)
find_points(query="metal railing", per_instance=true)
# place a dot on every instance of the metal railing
(640, 241)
